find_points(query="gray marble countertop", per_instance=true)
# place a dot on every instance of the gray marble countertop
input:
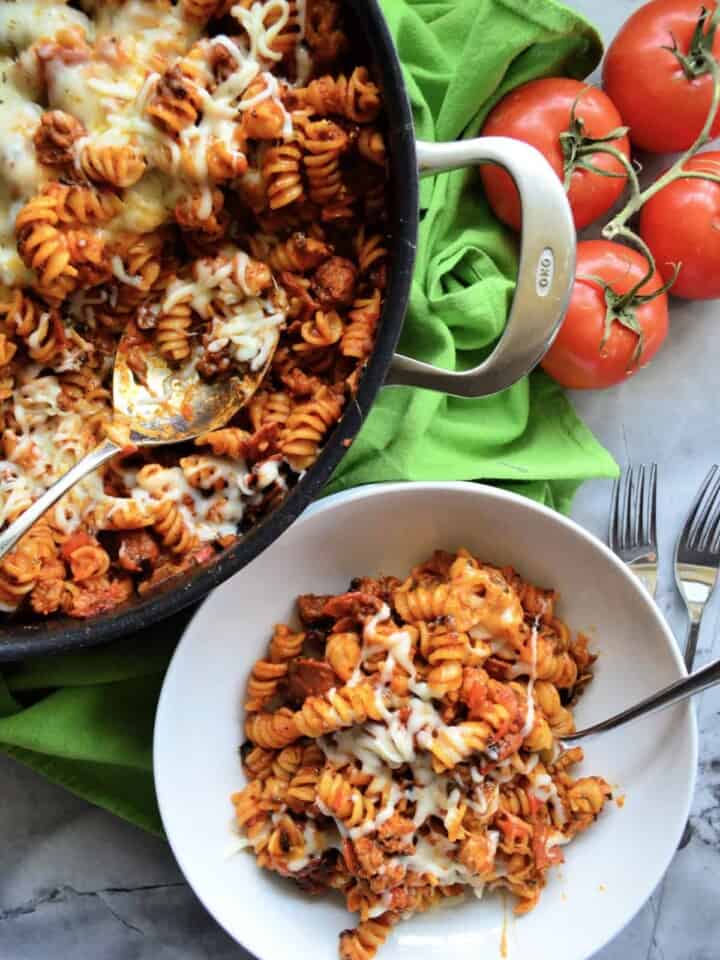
(77, 882)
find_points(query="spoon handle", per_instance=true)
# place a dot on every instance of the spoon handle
(91, 461)
(681, 689)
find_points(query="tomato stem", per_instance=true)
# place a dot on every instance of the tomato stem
(622, 307)
(578, 148)
(626, 163)
(699, 175)
(616, 227)
(628, 234)
(618, 310)
(695, 62)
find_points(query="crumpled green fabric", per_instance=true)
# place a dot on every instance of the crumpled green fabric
(85, 719)
(459, 58)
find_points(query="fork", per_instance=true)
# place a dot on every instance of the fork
(697, 557)
(676, 692)
(632, 532)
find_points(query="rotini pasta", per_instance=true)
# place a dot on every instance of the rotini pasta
(121, 166)
(196, 175)
(44, 248)
(324, 143)
(358, 336)
(356, 98)
(55, 135)
(307, 425)
(281, 172)
(83, 204)
(173, 331)
(406, 764)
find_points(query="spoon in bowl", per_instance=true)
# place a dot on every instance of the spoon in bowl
(153, 404)
(674, 693)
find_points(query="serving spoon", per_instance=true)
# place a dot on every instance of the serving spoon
(158, 406)
(674, 693)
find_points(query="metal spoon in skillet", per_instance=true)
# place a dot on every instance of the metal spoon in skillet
(153, 404)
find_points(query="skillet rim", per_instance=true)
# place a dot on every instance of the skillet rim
(62, 634)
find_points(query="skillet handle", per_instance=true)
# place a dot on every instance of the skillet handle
(545, 275)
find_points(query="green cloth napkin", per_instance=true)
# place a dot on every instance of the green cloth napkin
(85, 720)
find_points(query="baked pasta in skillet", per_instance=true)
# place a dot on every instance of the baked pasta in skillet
(206, 176)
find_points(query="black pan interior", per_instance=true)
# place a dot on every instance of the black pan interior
(19, 640)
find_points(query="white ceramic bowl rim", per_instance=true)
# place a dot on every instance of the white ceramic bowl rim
(252, 937)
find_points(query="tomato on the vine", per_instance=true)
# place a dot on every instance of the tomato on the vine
(681, 225)
(656, 73)
(572, 125)
(607, 334)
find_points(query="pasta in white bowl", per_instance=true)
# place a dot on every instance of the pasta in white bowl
(609, 869)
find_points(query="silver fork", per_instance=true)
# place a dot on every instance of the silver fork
(697, 557)
(632, 533)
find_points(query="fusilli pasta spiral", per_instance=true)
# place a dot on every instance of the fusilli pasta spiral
(434, 774)
(208, 177)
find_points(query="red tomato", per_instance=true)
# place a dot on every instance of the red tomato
(577, 358)
(681, 225)
(664, 108)
(538, 112)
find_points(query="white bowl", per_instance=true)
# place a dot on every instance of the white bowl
(610, 870)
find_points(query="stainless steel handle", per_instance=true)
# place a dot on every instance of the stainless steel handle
(91, 461)
(545, 275)
(647, 573)
(675, 692)
(692, 642)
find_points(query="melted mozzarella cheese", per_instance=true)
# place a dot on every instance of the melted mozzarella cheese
(251, 330)
(408, 728)
(435, 859)
(530, 710)
(17, 490)
(20, 173)
(260, 36)
(109, 94)
(119, 271)
(12, 270)
(151, 34)
(22, 22)
(68, 87)
(48, 441)
(245, 324)
(544, 789)
(209, 513)
(147, 205)
(134, 43)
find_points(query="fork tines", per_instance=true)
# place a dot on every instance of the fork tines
(702, 527)
(633, 511)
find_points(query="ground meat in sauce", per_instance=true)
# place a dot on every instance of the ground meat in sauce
(334, 282)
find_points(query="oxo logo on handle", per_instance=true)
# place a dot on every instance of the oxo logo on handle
(544, 272)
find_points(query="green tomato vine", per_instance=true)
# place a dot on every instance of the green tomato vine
(578, 150)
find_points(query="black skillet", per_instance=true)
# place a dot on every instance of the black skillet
(546, 270)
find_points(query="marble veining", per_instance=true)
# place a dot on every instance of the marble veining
(77, 882)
